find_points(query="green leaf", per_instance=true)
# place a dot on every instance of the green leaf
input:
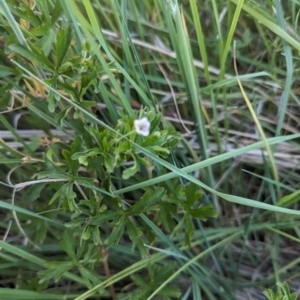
(21, 210)
(283, 293)
(109, 161)
(84, 180)
(203, 213)
(88, 153)
(21, 294)
(64, 38)
(131, 171)
(170, 292)
(56, 13)
(80, 128)
(40, 231)
(164, 152)
(23, 255)
(27, 13)
(6, 71)
(103, 217)
(72, 164)
(40, 30)
(116, 234)
(56, 195)
(135, 235)
(86, 80)
(86, 233)
(67, 195)
(88, 275)
(94, 132)
(70, 195)
(192, 194)
(289, 200)
(285, 290)
(96, 235)
(5, 99)
(83, 160)
(189, 231)
(46, 42)
(148, 199)
(75, 223)
(65, 68)
(68, 244)
(43, 8)
(51, 102)
(35, 55)
(34, 191)
(89, 253)
(166, 213)
(57, 270)
(123, 147)
(60, 117)
(54, 172)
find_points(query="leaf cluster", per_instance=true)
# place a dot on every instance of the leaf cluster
(283, 293)
(62, 83)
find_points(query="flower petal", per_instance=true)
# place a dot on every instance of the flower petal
(142, 126)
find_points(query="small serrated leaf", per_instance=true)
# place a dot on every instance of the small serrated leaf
(56, 270)
(68, 244)
(27, 13)
(123, 147)
(203, 213)
(34, 55)
(148, 199)
(96, 235)
(165, 215)
(69, 195)
(56, 13)
(135, 235)
(170, 292)
(103, 217)
(116, 234)
(60, 117)
(64, 38)
(192, 194)
(56, 195)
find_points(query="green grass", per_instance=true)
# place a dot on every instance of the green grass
(206, 206)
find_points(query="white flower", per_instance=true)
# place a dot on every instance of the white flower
(142, 126)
